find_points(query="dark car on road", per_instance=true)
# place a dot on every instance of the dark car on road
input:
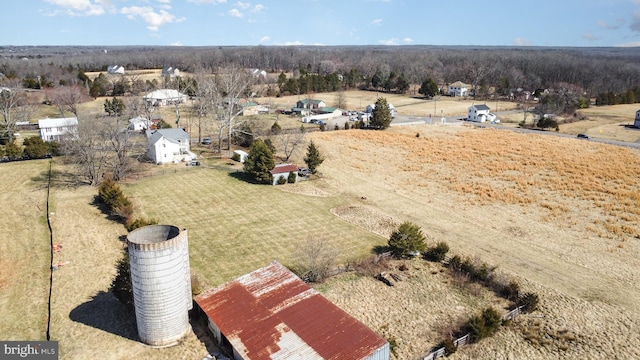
(583, 136)
(206, 141)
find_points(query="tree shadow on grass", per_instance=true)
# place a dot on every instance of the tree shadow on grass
(106, 313)
(59, 179)
(100, 205)
(243, 176)
(380, 249)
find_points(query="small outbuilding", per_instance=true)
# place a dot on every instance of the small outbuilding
(139, 124)
(240, 155)
(636, 122)
(271, 314)
(283, 170)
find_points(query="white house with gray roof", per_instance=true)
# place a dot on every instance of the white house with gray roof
(57, 129)
(166, 146)
(480, 113)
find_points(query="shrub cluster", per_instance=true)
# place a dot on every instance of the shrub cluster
(484, 325)
(437, 253)
(118, 204)
(476, 270)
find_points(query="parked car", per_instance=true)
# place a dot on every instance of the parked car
(193, 163)
(206, 141)
(304, 172)
(583, 136)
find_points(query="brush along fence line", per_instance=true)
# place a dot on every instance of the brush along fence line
(466, 339)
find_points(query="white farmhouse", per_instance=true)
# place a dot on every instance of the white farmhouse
(458, 88)
(170, 71)
(480, 113)
(636, 123)
(164, 97)
(166, 146)
(115, 69)
(57, 129)
(371, 107)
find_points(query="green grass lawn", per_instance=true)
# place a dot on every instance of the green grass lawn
(24, 251)
(236, 227)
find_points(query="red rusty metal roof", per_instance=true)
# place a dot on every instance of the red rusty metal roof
(271, 314)
(283, 168)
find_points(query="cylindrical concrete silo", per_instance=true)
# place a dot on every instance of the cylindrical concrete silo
(161, 281)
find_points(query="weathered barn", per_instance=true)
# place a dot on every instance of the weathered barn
(271, 314)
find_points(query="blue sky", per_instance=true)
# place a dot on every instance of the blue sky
(322, 22)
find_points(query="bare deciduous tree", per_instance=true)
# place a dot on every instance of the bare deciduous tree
(315, 259)
(88, 151)
(14, 108)
(67, 98)
(288, 141)
(102, 147)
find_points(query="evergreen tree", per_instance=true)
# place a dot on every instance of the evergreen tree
(121, 284)
(35, 147)
(313, 158)
(402, 84)
(381, 117)
(114, 107)
(259, 162)
(429, 88)
(407, 239)
(13, 151)
(275, 128)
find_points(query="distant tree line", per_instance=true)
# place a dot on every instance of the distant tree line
(390, 69)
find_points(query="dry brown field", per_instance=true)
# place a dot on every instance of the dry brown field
(560, 215)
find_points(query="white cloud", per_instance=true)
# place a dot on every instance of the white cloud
(407, 40)
(177, 43)
(393, 41)
(242, 5)
(80, 7)
(293, 43)
(605, 25)
(635, 21)
(235, 13)
(590, 37)
(377, 22)
(153, 19)
(164, 1)
(208, 1)
(259, 8)
(264, 39)
(521, 42)
(629, 44)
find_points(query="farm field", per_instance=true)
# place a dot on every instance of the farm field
(560, 215)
